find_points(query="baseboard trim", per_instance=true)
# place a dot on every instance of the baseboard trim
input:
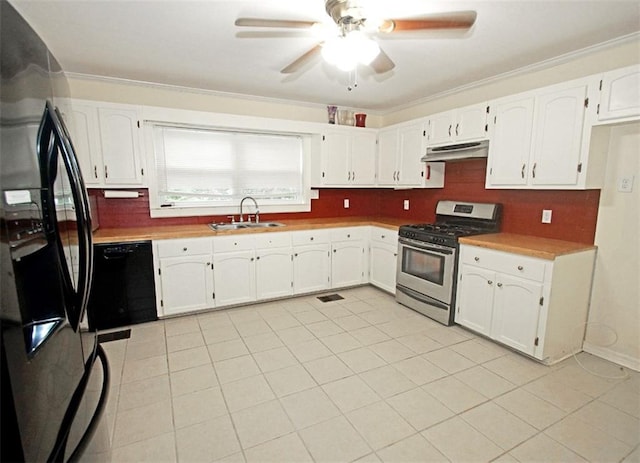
(612, 356)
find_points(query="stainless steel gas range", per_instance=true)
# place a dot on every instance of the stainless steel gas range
(428, 256)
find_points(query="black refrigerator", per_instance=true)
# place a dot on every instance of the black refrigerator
(54, 374)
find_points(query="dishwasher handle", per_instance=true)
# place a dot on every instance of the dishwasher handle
(118, 252)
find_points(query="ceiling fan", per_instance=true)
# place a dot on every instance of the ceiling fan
(350, 42)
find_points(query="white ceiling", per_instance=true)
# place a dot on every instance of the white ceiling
(195, 44)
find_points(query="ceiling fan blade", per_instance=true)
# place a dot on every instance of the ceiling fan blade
(257, 22)
(302, 60)
(454, 20)
(271, 34)
(382, 63)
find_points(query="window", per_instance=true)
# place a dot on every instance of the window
(216, 168)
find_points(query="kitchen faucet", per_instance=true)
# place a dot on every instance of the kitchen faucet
(257, 210)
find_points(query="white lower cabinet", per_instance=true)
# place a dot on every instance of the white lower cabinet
(311, 261)
(185, 279)
(536, 306)
(274, 273)
(383, 257)
(347, 257)
(234, 274)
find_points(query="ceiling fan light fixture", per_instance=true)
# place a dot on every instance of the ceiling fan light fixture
(346, 51)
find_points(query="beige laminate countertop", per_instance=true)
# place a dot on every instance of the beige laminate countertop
(543, 248)
(113, 235)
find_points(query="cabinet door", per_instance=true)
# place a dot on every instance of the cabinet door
(234, 277)
(620, 97)
(510, 143)
(440, 128)
(187, 284)
(516, 311)
(388, 144)
(274, 273)
(558, 136)
(347, 264)
(120, 140)
(83, 120)
(363, 158)
(471, 123)
(335, 159)
(311, 268)
(474, 303)
(382, 266)
(410, 151)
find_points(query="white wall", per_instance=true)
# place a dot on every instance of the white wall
(613, 331)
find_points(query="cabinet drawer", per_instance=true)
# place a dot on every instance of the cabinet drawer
(273, 240)
(504, 262)
(310, 237)
(183, 247)
(383, 235)
(233, 243)
(348, 234)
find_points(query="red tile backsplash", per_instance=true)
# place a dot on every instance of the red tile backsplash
(574, 212)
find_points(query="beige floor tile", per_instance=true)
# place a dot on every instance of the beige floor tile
(454, 394)
(581, 380)
(448, 360)
(227, 350)
(499, 425)
(334, 440)
(269, 310)
(633, 457)
(624, 396)
(362, 359)
(244, 314)
(252, 327)
(236, 368)
(142, 423)
(419, 343)
(193, 379)
(447, 335)
(392, 351)
(213, 319)
(216, 334)
(146, 332)
(357, 307)
(387, 381)
(459, 441)
(543, 449)
(295, 335)
(484, 381)
(181, 325)
(609, 419)
(144, 392)
(274, 359)
(516, 369)
(247, 392)
(197, 407)
(184, 341)
(282, 322)
(310, 316)
(351, 322)
(136, 370)
(296, 305)
(155, 449)
(285, 449)
(588, 441)
(327, 369)
(419, 370)
(188, 358)
(145, 349)
(309, 350)
(370, 335)
(479, 352)
(532, 409)
(309, 407)
(209, 441)
(378, 315)
(341, 342)
(558, 393)
(400, 327)
(350, 393)
(412, 449)
(264, 341)
(261, 423)
(420, 409)
(289, 380)
(380, 425)
(324, 328)
(334, 311)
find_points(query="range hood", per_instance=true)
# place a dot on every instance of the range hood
(478, 149)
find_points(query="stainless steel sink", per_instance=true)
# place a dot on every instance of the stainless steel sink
(242, 225)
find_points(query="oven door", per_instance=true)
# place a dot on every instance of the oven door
(426, 268)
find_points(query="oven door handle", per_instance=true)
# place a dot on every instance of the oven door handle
(425, 247)
(422, 297)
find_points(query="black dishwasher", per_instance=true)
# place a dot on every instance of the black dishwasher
(123, 290)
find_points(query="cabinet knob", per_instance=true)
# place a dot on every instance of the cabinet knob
(382, 236)
(295, 255)
(520, 267)
(476, 259)
(499, 285)
(184, 249)
(489, 282)
(311, 239)
(334, 250)
(348, 235)
(252, 259)
(258, 258)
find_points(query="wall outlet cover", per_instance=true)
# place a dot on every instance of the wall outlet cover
(346, 204)
(406, 205)
(625, 184)
(546, 216)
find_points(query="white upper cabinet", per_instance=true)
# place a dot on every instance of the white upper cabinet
(348, 157)
(108, 143)
(620, 94)
(458, 126)
(542, 139)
